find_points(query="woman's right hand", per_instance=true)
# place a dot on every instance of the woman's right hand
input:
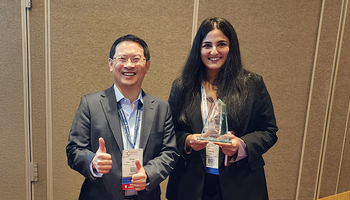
(194, 143)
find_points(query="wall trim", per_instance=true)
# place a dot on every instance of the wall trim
(195, 19)
(333, 81)
(26, 99)
(48, 102)
(309, 102)
(342, 25)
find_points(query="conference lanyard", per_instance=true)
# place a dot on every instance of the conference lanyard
(204, 104)
(212, 151)
(125, 123)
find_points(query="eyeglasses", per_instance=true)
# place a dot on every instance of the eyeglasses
(124, 60)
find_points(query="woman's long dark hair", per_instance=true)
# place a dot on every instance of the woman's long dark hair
(234, 87)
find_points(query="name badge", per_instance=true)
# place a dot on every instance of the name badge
(129, 167)
(212, 159)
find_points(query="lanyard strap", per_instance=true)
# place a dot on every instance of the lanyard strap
(125, 123)
(204, 104)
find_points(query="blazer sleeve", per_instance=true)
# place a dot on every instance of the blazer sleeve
(159, 167)
(260, 129)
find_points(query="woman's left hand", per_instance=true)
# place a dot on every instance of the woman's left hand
(229, 149)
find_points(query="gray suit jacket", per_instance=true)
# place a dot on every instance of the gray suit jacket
(97, 116)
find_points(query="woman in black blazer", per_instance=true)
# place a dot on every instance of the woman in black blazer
(214, 71)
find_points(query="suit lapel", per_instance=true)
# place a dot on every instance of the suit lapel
(109, 105)
(148, 113)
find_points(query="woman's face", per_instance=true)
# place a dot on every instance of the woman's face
(214, 50)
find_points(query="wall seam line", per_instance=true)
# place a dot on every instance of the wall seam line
(347, 118)
(48, 102)
(309, 101)
(195, 19)
(330, 100)
(26, 112)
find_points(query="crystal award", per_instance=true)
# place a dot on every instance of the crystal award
(215, 128)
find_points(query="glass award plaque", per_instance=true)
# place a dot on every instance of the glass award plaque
(215, 128)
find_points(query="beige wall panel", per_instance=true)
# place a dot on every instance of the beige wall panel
(13, 178)
(336, 134)
(82, 33)
(277, 40)
(37, 58)
(344, 178)
(338, 121)
(319, 100)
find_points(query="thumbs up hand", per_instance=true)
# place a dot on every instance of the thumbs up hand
(140, 177)
(102, 161)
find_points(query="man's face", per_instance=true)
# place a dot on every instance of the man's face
(129, 65)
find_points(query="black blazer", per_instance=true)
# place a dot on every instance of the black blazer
(97, 116)
(242, 180)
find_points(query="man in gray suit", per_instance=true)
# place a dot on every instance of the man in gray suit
(117, 122)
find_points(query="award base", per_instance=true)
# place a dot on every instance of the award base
(213, 139)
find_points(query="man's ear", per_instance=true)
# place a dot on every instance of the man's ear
(110, 64)
(148, 65)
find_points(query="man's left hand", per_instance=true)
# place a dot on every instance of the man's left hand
(140, 177)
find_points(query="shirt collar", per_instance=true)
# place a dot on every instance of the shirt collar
(119, 96)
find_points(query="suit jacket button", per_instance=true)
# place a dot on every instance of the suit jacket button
(238, 164)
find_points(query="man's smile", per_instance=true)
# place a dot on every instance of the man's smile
(129, 73)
